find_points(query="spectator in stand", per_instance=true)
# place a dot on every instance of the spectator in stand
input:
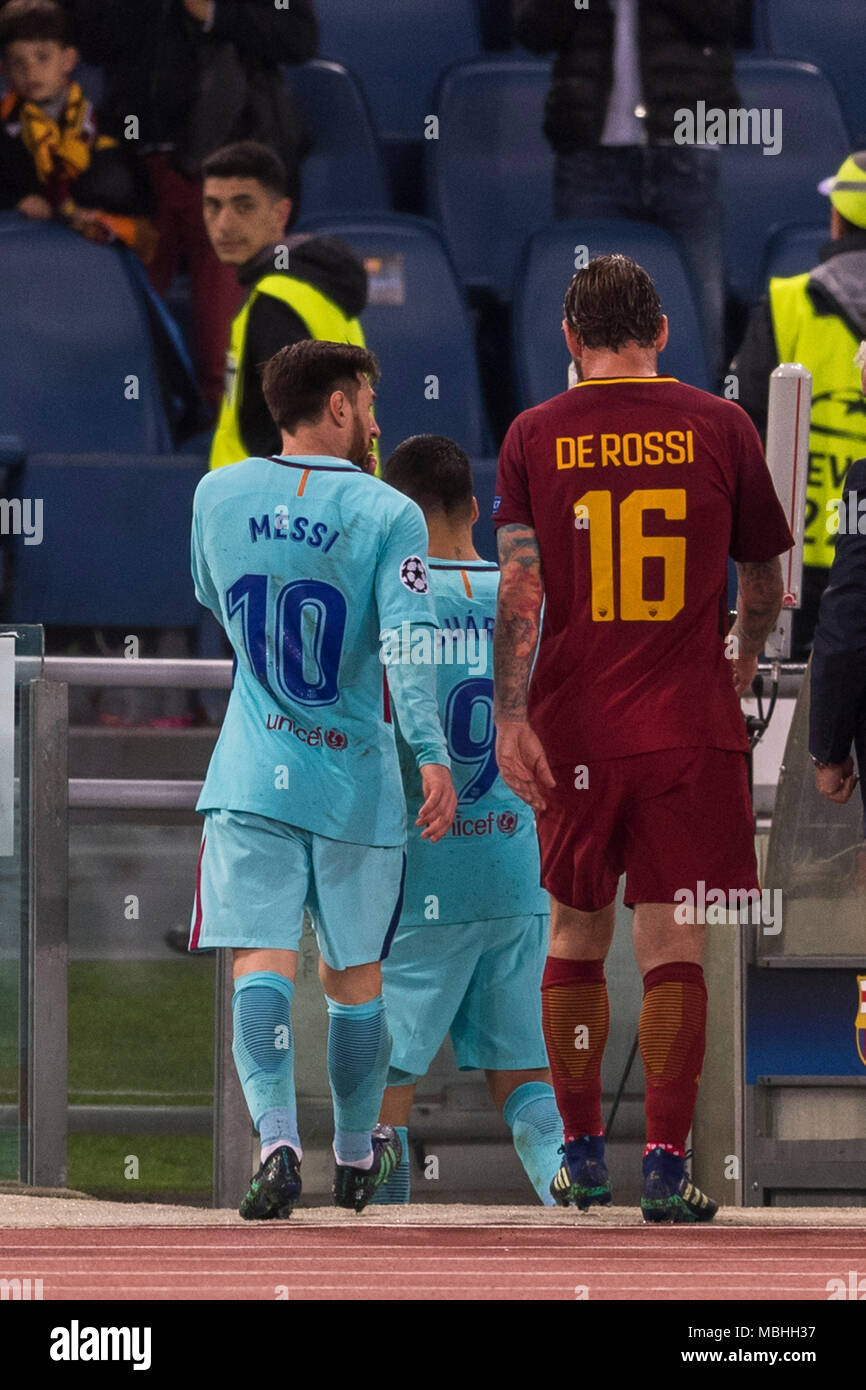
(54, 162)
(297, 287)
(184, 77)
(623, 69)
(818, 318)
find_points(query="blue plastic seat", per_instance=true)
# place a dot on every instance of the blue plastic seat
(398, 50)
(78, 370)
(793, 249)
(761, 191)
(832, 37)
(541, 355)
(418, 324)
(115, 542)
(490, 173)
(344, 172)
(484, 481)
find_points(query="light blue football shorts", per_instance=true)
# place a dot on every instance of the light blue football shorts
(480, 981)
(256, 876)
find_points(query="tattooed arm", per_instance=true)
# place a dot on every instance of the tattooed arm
(518, 612)
(759, 599)
(519, 753)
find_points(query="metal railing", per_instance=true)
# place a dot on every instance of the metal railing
(46, 799)
(47, 796)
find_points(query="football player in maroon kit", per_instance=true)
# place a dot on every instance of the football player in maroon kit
(618, 503)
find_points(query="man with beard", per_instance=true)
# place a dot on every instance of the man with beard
(306, 558)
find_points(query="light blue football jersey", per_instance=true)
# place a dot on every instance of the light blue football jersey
(305, 561)
(488, 864)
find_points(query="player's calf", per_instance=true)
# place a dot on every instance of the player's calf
(536, 1129)
(263, 1049)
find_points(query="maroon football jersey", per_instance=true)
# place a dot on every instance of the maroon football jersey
(638, 489)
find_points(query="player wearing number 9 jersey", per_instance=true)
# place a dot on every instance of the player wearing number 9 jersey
(305, 558)
(469, 951)
(618, 503)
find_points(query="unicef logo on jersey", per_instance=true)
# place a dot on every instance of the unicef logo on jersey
(505, 822)
(413, 574)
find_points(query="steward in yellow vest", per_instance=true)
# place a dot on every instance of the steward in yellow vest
(298, 286)
(319, 297)
(818, 319)
(826, 343)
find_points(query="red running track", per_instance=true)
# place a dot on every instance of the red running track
(432, 1263)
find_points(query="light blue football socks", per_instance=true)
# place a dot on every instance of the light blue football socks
(359, 1046)
(536, 1128)
(264, 1053)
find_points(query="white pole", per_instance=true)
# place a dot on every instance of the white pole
(788, 461)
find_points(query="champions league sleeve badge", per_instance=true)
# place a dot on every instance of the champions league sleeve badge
(413, 574)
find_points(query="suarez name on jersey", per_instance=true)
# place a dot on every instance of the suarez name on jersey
(487, 865)
(638, 490)
(304, 561)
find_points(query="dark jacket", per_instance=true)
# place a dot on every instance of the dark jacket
(329, 267)
(154, 53)
(837, 714)
(833, 291)
(113, 182)
(686, 56)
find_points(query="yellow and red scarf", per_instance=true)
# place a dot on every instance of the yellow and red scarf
(59, 149)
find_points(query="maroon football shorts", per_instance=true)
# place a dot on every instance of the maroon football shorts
(668, 820)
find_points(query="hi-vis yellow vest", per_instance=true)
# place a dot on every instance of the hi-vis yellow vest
(837, 437)
(324, 320)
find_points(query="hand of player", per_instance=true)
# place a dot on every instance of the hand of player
(36, 207)
(744, 669)
(836, 781)
(440, 801)
(522, 763)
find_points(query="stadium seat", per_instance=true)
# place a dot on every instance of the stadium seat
(343, 173)
(79, 369)
(793, 248)
(418, 325)
(495, 23)
(761, 191)
(398, 51)
(541, 356)
(484, 481)
(490, 173)
(115, 542)
(832, 37)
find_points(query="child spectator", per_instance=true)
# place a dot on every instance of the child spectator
(54, 163)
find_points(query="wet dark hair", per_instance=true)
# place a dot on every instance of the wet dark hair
(611, 302)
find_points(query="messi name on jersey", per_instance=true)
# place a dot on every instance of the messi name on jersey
(614, 450)
(318, 534)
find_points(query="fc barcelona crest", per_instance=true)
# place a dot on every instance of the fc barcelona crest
(860, 1020)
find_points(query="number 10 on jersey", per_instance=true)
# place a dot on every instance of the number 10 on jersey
(594, 513)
